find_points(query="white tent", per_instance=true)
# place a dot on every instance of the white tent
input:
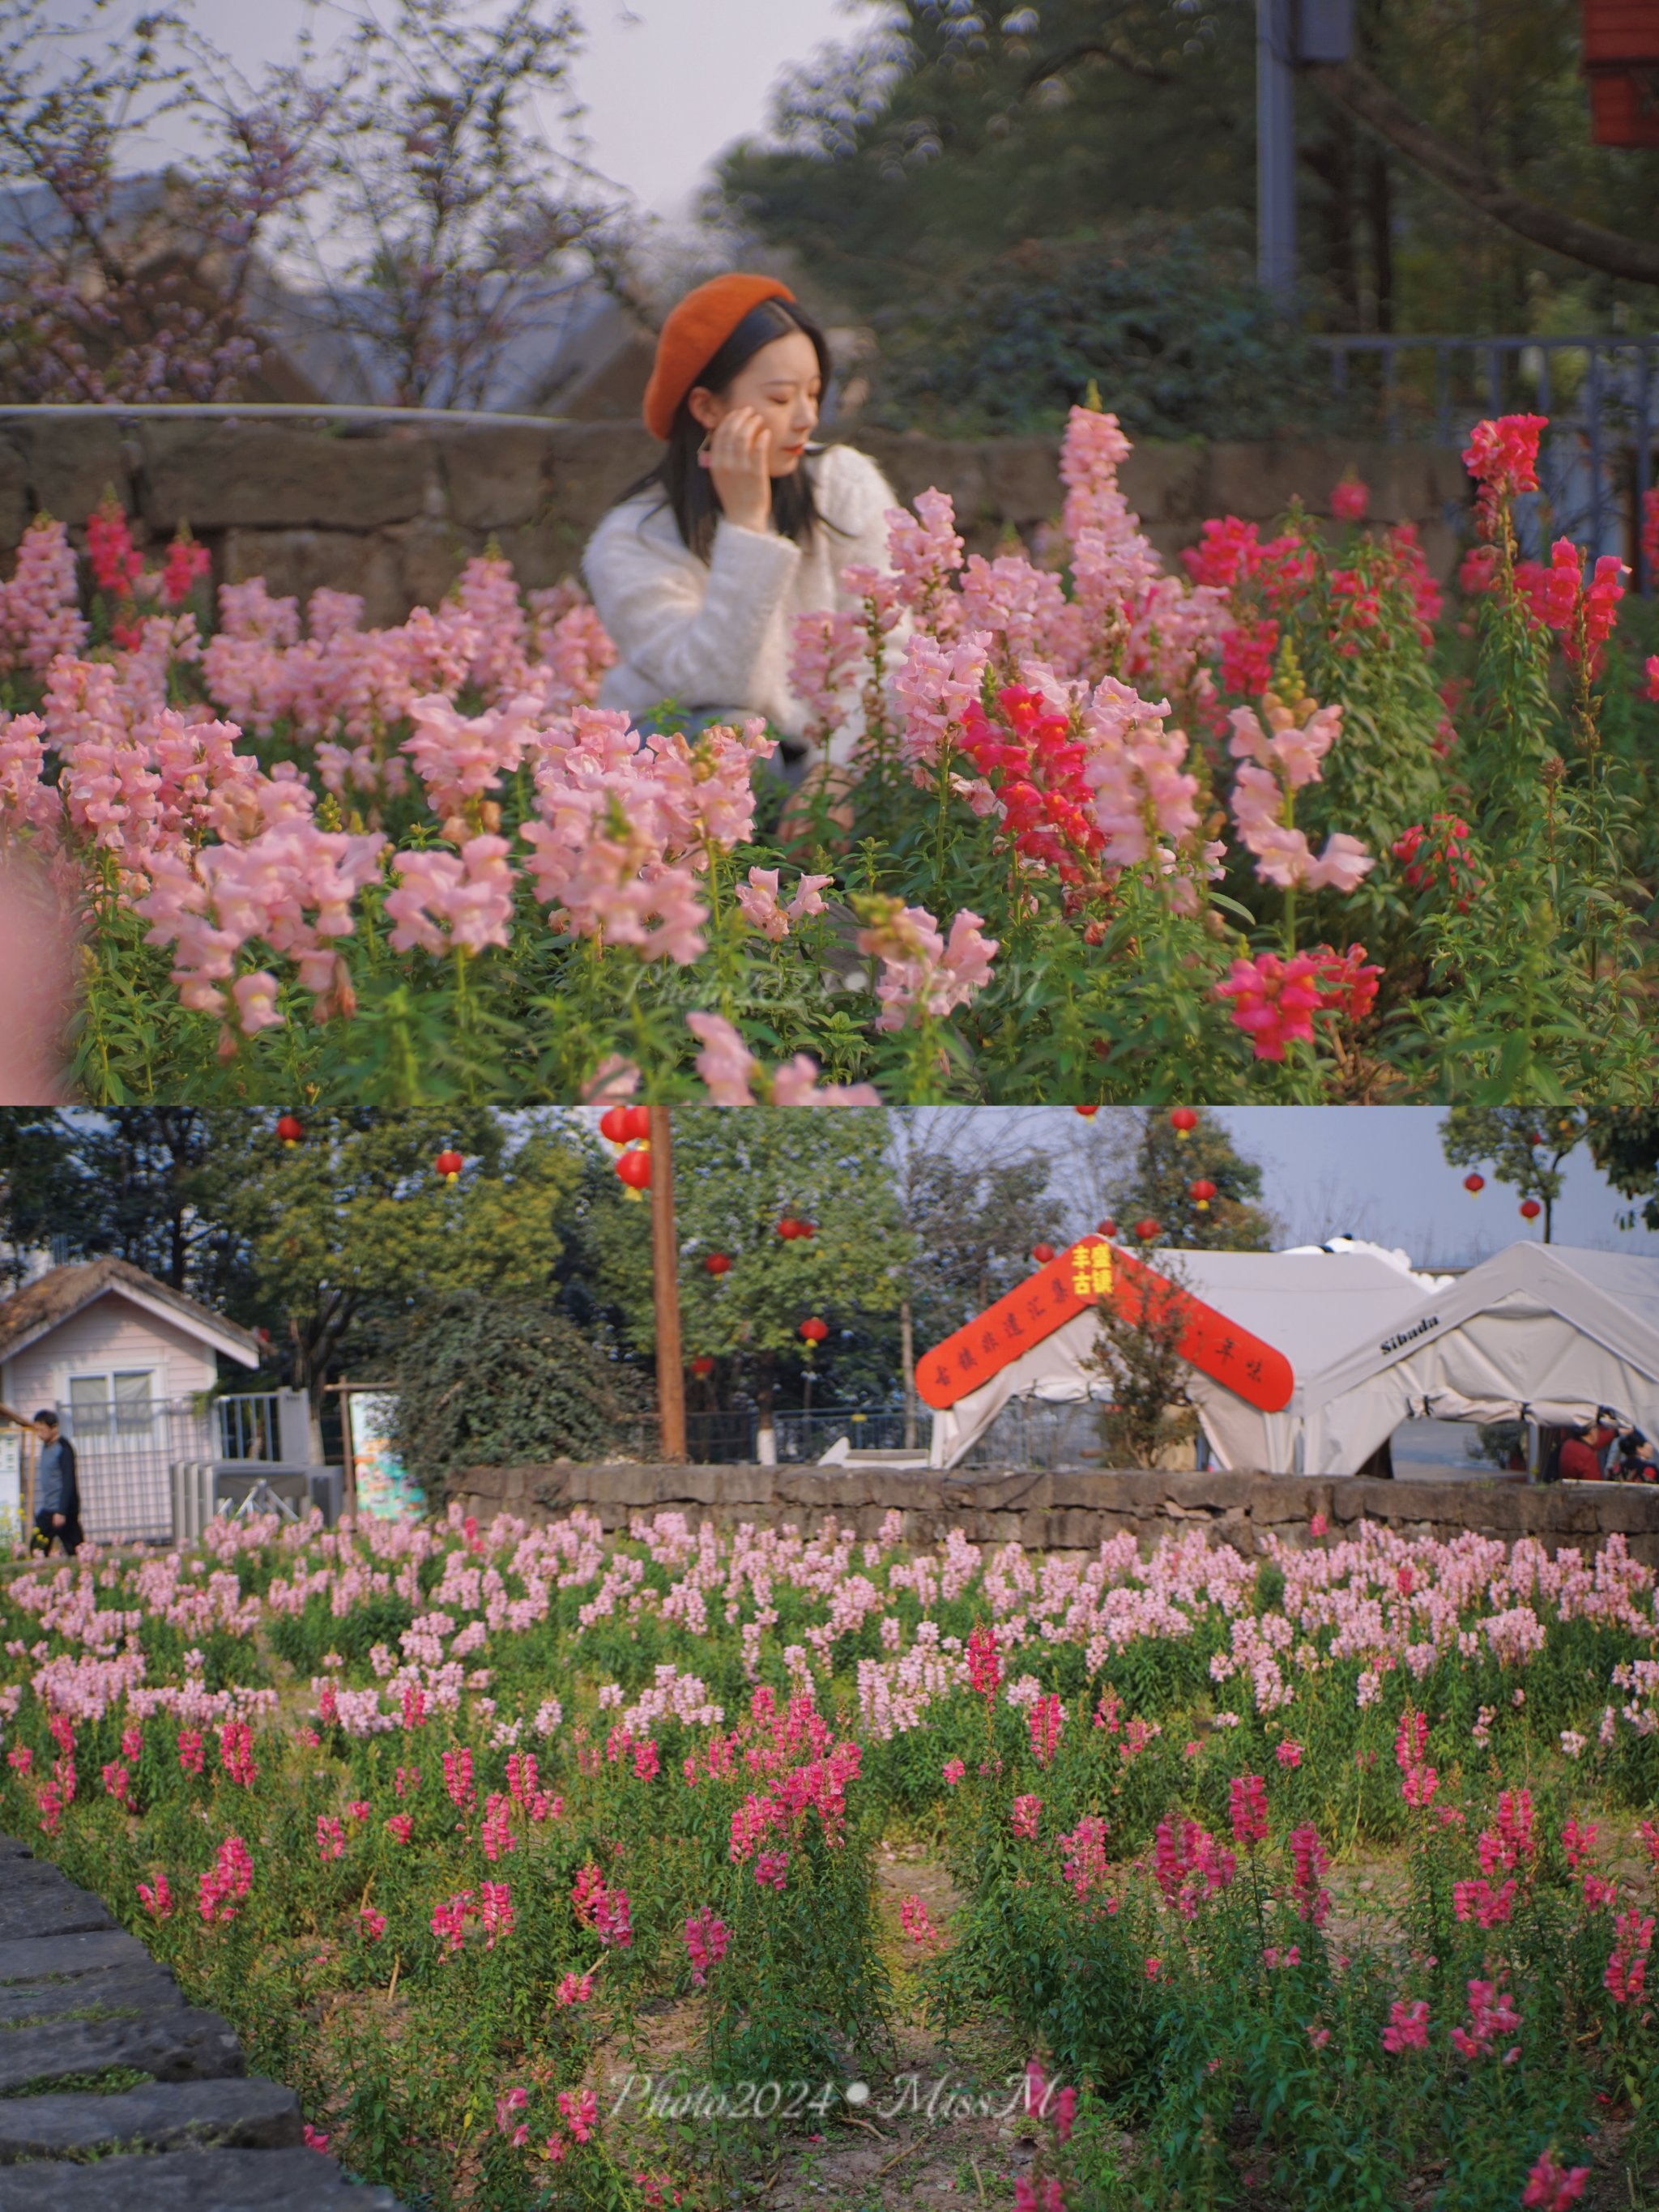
(1539, 1333)
(1317, 1305)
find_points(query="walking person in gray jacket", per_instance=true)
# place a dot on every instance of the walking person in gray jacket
(56, 1493)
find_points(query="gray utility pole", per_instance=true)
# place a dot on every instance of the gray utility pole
(1289, 34)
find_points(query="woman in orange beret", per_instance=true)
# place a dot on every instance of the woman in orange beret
(745, 523)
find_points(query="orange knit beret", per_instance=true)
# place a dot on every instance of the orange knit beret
(694, 333)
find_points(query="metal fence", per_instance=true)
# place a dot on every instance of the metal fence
(1025, 1434)
(1600, 392)
(126, 1449)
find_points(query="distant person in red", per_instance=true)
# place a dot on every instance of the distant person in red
(1581, 1456)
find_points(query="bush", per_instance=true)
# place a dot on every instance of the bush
(1166, 318)
(486, 1381)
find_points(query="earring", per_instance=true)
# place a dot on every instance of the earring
(703, 461)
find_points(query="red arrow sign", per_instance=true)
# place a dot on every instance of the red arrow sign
(1088, 1271)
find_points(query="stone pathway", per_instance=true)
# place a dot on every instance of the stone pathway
(80, 1999)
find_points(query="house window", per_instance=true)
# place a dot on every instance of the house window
(115, 1405)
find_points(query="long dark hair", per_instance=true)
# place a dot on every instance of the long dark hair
(687, 489)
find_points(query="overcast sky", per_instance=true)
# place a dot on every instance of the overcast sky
(667, 83)
(1378, 1172)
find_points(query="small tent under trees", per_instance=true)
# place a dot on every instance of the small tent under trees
(1313, 1306)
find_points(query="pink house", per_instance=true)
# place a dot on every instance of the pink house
(129, 1363)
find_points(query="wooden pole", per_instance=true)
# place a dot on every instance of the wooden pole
(665, 1289)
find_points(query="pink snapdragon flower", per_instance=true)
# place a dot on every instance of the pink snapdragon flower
(1408, 2027)
(923, 975)
(731, 1074)
(446, 902)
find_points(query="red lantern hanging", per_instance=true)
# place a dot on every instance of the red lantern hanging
(636, 1124)
(1087, 1112)
(789, 1229)
(1042, 1253)
(806, 1229)
(613, 1125)
(1475, 1184)
(634, 1170)
(702, 1364)
(289, 1129)
(718, 1264)
(1145, 1230)
(448, 1165)
(1530, 1209)
(1106, 1229)
(1201, 1193)
(814, 1330)
(1183, 1120)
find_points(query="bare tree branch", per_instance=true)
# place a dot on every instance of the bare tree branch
(1368, 101)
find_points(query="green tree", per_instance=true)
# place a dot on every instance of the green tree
(350, 1234)
(1138, 1350)
(737, 1174)
(484, 1381)
(1140, 1168)
(124, 1181)
(1624, 1145)
(1524, 1147)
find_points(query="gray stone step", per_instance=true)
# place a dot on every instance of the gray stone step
(179, 2046)
(254, 2114)
(138, 1989)
(30, 1957)
(34, 1907)
(193, 2181)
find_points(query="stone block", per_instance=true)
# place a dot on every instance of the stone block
(296, 563)
(30, 1958)
(270, 476)
(253, 2114)
(496, 476)
(591, 466)
(1168, 485)
(42, 1903)
(16, 510)
(181, 2046)
(194, 2181)
(71, 463)
(426, 557)
(129, 1990)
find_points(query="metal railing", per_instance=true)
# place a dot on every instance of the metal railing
(123, 1462)
(1600, 391)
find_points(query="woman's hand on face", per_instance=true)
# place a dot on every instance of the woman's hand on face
(738, 459)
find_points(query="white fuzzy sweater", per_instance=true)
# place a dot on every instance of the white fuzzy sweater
(718, 636)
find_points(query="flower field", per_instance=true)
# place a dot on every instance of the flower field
(1325, 1880)
(1275, 824)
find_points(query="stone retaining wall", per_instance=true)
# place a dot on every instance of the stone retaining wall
(80, 1997)
(391, 511)
(1069, 1512)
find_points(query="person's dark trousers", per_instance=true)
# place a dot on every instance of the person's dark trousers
(69, 1536)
